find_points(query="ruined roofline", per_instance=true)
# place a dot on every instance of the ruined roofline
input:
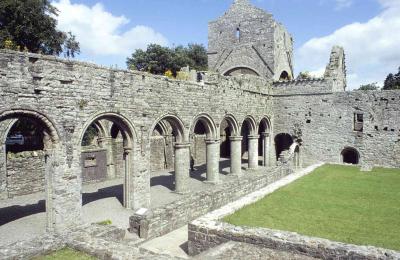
(211, 78)
(297, 81)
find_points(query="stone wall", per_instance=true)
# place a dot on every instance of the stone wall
(177, 214)
(94, 163)
(118, 157)
(25, 173)
(212, 233)
(326, 125)
(67, 96)
(199, 149)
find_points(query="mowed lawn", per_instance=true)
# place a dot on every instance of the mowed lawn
(339, 203)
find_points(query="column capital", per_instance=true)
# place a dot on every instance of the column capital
(265, 134)
(212, 141)
(182, 145)
(252, 137)
(235, 138)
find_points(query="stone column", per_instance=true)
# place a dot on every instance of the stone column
(265, 143)
(212, 161)
(236, 154)
(127, 177)
(253, 152)
(106, 143)
(182, 163)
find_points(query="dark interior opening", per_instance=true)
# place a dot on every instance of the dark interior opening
(351, 156)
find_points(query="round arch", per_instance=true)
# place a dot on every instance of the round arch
(208, 123)
(128, 130)
(251, 123)
(265, 124)
(177, 127)
(242, 69)
(232, 123)
(49, 125)
(350, 155)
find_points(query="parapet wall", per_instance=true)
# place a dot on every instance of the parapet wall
(177, 214)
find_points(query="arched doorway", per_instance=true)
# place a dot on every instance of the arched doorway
(283, 142)
(106, 148)
(28, 141)
(350, 156)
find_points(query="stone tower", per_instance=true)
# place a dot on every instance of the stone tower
(247, 40)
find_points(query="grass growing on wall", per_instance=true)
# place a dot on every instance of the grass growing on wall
(339, 203)
(66, 254)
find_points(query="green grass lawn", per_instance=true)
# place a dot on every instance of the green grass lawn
(66, 254)
(339, 203)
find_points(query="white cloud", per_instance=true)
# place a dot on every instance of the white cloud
(99, 31)
(372, 48)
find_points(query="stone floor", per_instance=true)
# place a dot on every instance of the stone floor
(24, 217)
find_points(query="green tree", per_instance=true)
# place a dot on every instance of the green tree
(371, 86)
(157, 59)
(392, 81)
(198, 54)
(30, 25)
(304, 75)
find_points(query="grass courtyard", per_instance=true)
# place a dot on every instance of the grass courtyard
(66, 254)
(339, 203)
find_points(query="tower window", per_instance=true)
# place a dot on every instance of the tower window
(358, 122)
(238, 34)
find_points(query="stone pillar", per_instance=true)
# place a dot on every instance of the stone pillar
(236, 154)
(106, 143)
(182, 163)
(253, 152)
(127, 177)
(265, 143)
(212, 161)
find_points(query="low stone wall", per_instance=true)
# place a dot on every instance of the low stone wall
(209, 231)
(25, 173)
(165, 219)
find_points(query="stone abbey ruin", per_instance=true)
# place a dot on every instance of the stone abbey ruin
(245, 116)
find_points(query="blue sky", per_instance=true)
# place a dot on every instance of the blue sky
(110, 30)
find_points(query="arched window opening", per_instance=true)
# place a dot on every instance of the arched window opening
(238, 33)
(350, 156)
(284, 76)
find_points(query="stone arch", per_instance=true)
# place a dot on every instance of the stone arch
(251, 124)
(177, 125)
(181, 152)
(129, 132)
(243, 69)
(49, 124)
(208, 123)
(51, 140)
(350, 155)
(249, 132)
(102, 165)
(232, 123)
(229, 128)
(264, 141)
